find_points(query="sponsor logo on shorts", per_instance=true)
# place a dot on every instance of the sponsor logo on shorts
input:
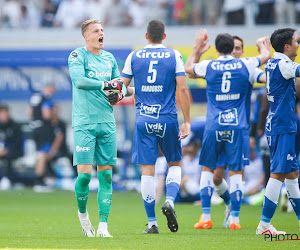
(157, 128)
(225, 135)
(228, 117)
(150, 110)
(82, 149)
(289, 157)
(269, 140)
(269, 122)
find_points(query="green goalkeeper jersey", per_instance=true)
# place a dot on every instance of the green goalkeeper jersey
(88, 71)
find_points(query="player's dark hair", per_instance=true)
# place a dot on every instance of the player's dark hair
(224, 43)
(240, 39)
(156, 31)
(281, 37)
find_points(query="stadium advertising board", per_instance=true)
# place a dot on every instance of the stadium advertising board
(24, 72)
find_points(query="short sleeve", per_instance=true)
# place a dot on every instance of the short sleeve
(289, 69)
(251, 64)
(127, 70)
(180, 71)
(257, 73)
(201, 68)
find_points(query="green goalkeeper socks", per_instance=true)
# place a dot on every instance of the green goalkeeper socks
(82, 190)
(104, 194)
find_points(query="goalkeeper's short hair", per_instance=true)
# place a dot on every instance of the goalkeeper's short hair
(86, 23)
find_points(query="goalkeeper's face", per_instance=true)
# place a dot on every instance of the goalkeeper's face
(94, 36)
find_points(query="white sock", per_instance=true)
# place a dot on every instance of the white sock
(292, 187)
(273, 190)
(173, 178)
(236, 184)
(148, 193)
(264, 224)
(221, 189)
(102, 226)
(206, 181)
(234, 219)
(82, 215)
(272, 193)
(151, 223)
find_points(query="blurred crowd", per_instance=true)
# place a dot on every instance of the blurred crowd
(30, 14)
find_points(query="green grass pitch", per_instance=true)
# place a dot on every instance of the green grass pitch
(34, 220)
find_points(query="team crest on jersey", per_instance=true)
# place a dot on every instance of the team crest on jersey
(228, 117)
(225, 135)
(156, 128)
(150, 110)
(74, 56)
(108, 64)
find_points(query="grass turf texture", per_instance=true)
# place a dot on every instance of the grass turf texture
(35, 220)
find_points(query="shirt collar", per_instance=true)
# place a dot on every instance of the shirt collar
(225, 58)
(154, 46)
(278, 55)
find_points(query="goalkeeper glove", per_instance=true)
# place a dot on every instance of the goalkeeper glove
(115, 98)
(114, 85)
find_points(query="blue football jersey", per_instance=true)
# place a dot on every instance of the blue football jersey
(281, 72)
(229, 86)
(154, 69)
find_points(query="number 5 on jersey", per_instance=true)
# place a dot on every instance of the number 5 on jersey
(151, 70)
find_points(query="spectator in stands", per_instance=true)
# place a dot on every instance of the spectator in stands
(285, 11)
(266, 11)
(117, 15)
(297, 11)
(11, 142)
(206, 12)
(48, 13)
(182, 12)
(190, 169)
(41, 115)
(234, 11)
(254, 173)
(59, 146)
(156, 9)
(11, 13)
(169, 14)
(70, 13)
(30, 16)
(97, 9)
(137, 11)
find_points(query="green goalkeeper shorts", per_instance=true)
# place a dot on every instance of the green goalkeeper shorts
(97, 142)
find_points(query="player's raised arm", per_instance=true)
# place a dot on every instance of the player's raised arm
(199, 48)
(264, 48)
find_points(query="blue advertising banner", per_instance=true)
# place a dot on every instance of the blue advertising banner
(24, 72)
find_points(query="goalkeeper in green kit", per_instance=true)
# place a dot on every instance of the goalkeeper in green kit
(94, 73)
